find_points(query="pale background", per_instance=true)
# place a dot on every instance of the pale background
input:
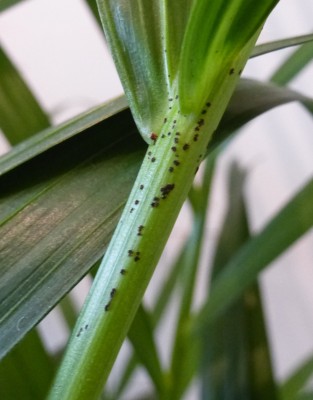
(60, 51)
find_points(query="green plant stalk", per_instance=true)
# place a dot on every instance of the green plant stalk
(160, 189)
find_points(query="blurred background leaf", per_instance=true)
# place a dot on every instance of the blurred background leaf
(20, 114)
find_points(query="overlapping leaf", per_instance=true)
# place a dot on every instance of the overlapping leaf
(20, 113)
(134, 33)
(61, 194)
(212, 52)
(235, 360)
(269, 47)
(293, 221)
(58, 212)
(152, 41)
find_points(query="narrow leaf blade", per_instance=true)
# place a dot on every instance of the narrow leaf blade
(294, 64)
(266, 48)
(58, 212)
(141, 337)
(134, 34)
(20, 113)
(293, 221)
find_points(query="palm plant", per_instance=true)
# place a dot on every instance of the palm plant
(180, 67)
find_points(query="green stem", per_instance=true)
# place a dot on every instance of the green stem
(161, 187)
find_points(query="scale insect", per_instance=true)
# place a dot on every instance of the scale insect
(153, 137)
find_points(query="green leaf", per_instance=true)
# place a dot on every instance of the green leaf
(30, 178)
(52, 137)
(185, 352)
(159, 308)
(235, 355)
(58, 211)
(41, 175)
(4, 4)
(176, 19)
(20, 113)
(141, 336)
(92, 4)
(304, 396)
(134, 34)
(228, 31)
(152, 41)
(293, 221)
(27, 372)
(266, 48)
(297, 380)
(251, 99)
(294, 64)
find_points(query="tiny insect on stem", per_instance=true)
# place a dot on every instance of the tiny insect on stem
(154, 137)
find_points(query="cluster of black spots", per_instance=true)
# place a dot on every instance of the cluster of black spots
(166, 190)
(112, 294)
(81, 330)
(135, 254)
(200, 123)
(152, 159)
(196, 137)
(176, 140)
(140, 229)
(186, 146)
(231, 71)
(155, 202)
(141, 187)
